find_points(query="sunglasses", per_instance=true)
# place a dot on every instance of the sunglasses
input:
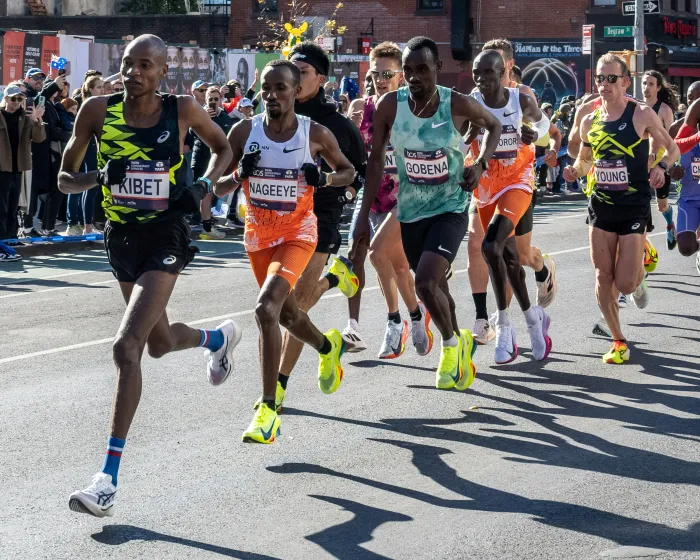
(610, 78)
(385, 74)
(17, 99)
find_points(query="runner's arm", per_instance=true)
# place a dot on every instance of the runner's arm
(325, 143)
(208, 132)
(70, 180)
(356, 110)
(480, 117)
(584, 159)
(688, 136)
(658, 135)
(575, 133)
(237, 137)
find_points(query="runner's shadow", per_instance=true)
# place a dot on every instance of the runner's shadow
(122, 534)
(343, 541)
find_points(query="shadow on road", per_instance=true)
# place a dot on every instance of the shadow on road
(122, 534)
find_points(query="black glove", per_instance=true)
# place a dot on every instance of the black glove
(312, 176)
(113, 173)
(189, 199)
(247, 165)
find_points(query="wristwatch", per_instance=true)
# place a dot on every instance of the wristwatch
(207, 184)
(662, 165)
(482, 162)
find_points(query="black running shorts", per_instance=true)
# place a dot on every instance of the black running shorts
(664, 191)
(526, 222)
(622, 220)
(133, 249)
(441, 234)
(329, 238)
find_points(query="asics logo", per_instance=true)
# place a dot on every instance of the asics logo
(169, 260)
(441, 248)
(223, 363)
(437, 125)
(163, 137)
(103, 498)
(623, 126)
(635, 226)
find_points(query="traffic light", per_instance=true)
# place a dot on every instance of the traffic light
(629, 57)
(657, 57)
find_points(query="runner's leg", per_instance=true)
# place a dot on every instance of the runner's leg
(603, 246)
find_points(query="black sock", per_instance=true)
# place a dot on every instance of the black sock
(395, 317)
(270, 403)
(416, 315)
(332, 280)
(541, 276)
(206, 225)
(480, 304)
(283, 379)
(326, 347)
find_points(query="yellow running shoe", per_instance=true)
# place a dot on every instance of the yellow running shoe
(330, 370)
(449, 372)
(280, 394)
(468, 367)
(618, 354)
(264, 427)
(651, 256)
(348, 282)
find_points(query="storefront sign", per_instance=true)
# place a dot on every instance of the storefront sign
(679, 28)
(587, 38)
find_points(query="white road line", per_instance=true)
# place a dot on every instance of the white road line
(228, 316)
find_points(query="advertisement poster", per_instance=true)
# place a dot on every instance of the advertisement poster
(32, 53)
(49, 47)
(2, 50)
(12, 57)
(241, 67)
(217, 63)
(201, 58)
(172, 82)
(189, 69)
(553, 68)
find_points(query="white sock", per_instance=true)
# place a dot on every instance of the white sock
(531, 317)
(450, 341)
(502, 318)
(353, 324)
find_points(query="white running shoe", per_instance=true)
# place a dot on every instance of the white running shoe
(421, 335)
(640, 297)
(97, 499)
(540, 342)
(235, 224)
(74, 230)
(622, 301)
(395, 337)
(352, 338)
(217, 213)
(547, 290)
(220, 363)
(506, 348)
(483, 332)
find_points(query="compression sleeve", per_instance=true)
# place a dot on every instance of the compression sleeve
(542, 126)
(686, 140)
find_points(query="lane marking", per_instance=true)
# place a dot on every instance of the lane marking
(228, 316)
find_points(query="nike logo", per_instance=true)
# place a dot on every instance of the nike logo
(287, 150)
(441, 248)
(283, 269)
(438, 124)
(508, 114)
(267, 434)
(506, 210)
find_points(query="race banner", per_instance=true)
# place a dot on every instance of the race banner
(12, 56)
(32, 53)
(49, 48)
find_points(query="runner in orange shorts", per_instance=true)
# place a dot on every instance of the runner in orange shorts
(274, 158)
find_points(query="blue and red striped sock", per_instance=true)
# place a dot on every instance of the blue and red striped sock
(211, 340)
(113, 457)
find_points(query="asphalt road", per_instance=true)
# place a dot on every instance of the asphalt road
(566, 459)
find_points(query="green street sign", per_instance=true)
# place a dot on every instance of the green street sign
(618, 31)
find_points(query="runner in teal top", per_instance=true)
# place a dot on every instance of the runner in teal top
(428, 158)
(423, 121)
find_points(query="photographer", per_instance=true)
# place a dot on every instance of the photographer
(232, 93)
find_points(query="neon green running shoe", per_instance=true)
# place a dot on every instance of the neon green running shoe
(468, 367)
(280, 395)
(449, 372)
(330, 370)
(264, 427)
(348, 282)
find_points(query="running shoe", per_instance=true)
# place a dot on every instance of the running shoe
(235, 223)
(601, 328)
(74, 230)
(421, 335)
(468, 367)
(483, 331)
(97, 499)
(7, 257)
(348, 282)
(540, 342)
(449, 371)
(218, 213)
(220, 363)
(450, 271)
(618, 353)
(330, 370)
(506, 348)
(671, 240)
(697, 262)
(547, 290)
(213, 233)
(280, 395)
(395, 337)
(264, 427)
(352, 338)
(651, 256)
(640, 297)
(622, 300)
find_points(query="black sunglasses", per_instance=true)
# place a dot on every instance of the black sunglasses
(610, 78)
(17, 99)
(385, 74)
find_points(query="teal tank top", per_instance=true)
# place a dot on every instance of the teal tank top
(429, 160)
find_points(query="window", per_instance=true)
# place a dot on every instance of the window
(689, 5)
(674, 5)
(430, 5)
(264, 6)
(605, 2)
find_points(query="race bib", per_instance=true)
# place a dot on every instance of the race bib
(146, 187)
(507, 144)
(426, 167)
(390, 164)
(695, 167)
(611, 175)
(274, 189)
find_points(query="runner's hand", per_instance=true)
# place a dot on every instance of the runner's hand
(657, 177)
(471, 176)
(113, 173)
(676, 172)
(570, 174)
(360, 237)
(550, 158)
(528, 135)
(248, 163)
(312, 176)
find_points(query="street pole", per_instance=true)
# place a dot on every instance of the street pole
(639, 46)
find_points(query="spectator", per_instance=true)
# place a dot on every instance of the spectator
(547, 109)
(92, 87)
(107, 88)
(34, 80)
(18, 129)
(68, 112)
(343, 104)
(201, 154)
(199, 91)
(232, 92)
(79, 95)
(516, 74)
(246, 108)
(117, 86)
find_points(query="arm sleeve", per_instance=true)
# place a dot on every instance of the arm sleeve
(686, 140)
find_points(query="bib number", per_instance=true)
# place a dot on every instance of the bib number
(611, 175)
(146, 187)
(389, 162)
(426, 167)
(695, 167)
(274, 189)
(507, 144)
